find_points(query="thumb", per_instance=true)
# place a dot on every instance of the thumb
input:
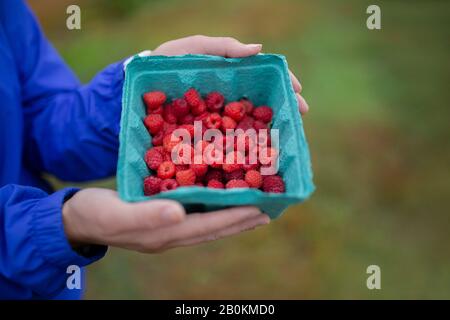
(154, 213)
(226, 47)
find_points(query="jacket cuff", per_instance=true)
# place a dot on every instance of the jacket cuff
(49, 236)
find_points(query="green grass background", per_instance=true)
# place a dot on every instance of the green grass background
(379, 135)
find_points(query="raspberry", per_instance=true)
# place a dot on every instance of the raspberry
(154, 123)
(160, 149)
(259, 125)
(234, 175)
(267, 156)
(183, 153)
(152, 185)
(236, 184)
(168, 184)
(186, 177)
(214, 101)
(169, 114)
(254, 179)
(154, 99)
(273, 184)
(228, 123)
(245, 123)
(187, 119)
(157, 139)
(234, 110)
(213, 121)
(158, 110)
(166, 170)
(199, 108)
(168, 128)
(247, 166)
(153, 158)
(201, 117)
(263, 113)
(199, 184)
(192, 97)
(199, 169)
(248, 106)
(213, 174)
(181, 167)
(170, 142)
(216, 184)
(189, 128)
(231, 162)
(180, 107)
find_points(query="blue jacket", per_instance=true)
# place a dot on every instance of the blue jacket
(49, 122)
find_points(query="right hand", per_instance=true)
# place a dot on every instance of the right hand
(98, 216)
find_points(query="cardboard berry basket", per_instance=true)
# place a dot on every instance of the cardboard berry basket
(264, 79)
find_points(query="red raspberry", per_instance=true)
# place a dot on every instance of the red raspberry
(199, 184)
(154, 99)
(170, 142)
(245, 123)
(152, 185)
(158, 110)
(213, 174)
(214, 101)
(199, 108)
(181, 167)
(199, 169)
(189, 128)
(169, 114)
(259, 125)
(254, 179)
(273, 184)
(192, 97)
(250, 166)
(168, 184)
(186, 177)
(213, 121)
(267, 156)
(232, 164)
(201, 117)
(236, 184)
(215, 184)
(153, 158)
(166, 170)
(263, 113)
(160, 149)
(168, 128)
(234, 110)
(154, 123)
(234, 175)
(180, 107)
(187, 119)
(183, 153)
(228, 123)
(248, 105)
(157, 139)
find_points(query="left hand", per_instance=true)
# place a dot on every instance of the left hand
(221, 46)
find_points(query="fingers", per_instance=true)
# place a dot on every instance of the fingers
(203, 224)
(225, 46)
(302, 104)
(295, 83)
(249, 224)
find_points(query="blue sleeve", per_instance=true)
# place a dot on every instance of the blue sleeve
(34, 250)
(71, 130)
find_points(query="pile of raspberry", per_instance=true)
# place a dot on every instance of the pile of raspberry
(163, 117)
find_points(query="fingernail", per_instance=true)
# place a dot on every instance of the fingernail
(255, 45)
(263, 220)
(170, 214)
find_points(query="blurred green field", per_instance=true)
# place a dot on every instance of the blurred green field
(379, 135)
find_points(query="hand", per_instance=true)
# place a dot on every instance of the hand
(221, 46)
(98, 216)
